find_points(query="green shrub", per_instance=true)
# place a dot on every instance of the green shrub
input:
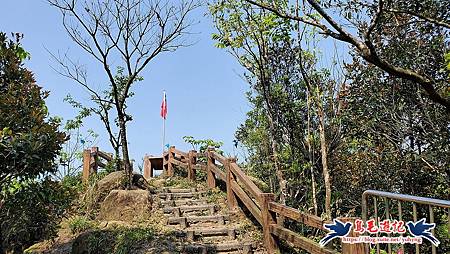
(32, 212)
(128, 238)
(214, 195)
(179, 182)
(80, 224)
(73, 182)
(118, 240)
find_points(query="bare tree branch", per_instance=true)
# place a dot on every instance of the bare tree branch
(125, 34)
(364, 48)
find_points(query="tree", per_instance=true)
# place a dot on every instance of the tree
(247, 33)
(370, 22)
(128, 34)
(29, 142)
(393, 134)
(283, 122)
(102, 105)
(30, 209)
(70, 157)
(202, 145)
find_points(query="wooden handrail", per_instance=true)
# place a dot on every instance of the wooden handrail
(176, 151)
(249, 184)
(248, 202)
(297, 215)
(105, 156)
(261, 205)
(91, 161)
(200, 166)
(298, 240)
(219, 157)
(219, 173)
(178, 163)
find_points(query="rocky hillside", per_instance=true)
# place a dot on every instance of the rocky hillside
(161, 216)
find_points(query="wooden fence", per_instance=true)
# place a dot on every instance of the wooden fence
(269, 213)
(93, 158)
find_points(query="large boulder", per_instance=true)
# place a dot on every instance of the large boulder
(113, 181)
(126, 205)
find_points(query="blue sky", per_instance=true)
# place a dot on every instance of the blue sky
(205, 92)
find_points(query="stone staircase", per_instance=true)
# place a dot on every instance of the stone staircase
(203, 227)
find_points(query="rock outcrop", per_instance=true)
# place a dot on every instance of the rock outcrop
(126, 205)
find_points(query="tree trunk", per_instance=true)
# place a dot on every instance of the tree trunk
(324, 152)
(278, 170)
(117, 157)
(126, 158)
(310, 155)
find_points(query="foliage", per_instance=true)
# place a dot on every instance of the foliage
(29, 142)
(79, 224)
(201, 145)
(31, 212)
(127, 239)
(120, 240)
(395, 136)
(31, 204)
(367, 25)
(380, 131)
(71, 156)
(293, 101)
(73, 182)
(179, 182)
(215, 195)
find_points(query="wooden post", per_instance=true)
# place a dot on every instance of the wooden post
(355, 248)
(267, 219)
(169, 163)
(86, 164)
(189, 166)
(210, 176)
(231, 197)
(148, 170)
(192, 160)
(94, 157)
(165, 162)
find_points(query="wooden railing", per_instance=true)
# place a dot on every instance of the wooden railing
(92, 160)
(269, 214)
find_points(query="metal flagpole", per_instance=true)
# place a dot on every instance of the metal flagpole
(164, 120)
(164, 134)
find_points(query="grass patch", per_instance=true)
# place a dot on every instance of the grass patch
(179, 182)
(215, 195)
(128, 239)
(79, 224)
(120, 240)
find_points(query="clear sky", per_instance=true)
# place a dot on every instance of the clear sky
(204, 90)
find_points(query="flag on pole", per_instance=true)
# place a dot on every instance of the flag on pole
(164, 107)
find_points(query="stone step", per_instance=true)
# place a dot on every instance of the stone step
(184, 221)
(221, 247)
(170, 196)
(183, 202)
(176, 190)
(191, 234)
(177, 210)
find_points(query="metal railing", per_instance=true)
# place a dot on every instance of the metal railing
(402, 199)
